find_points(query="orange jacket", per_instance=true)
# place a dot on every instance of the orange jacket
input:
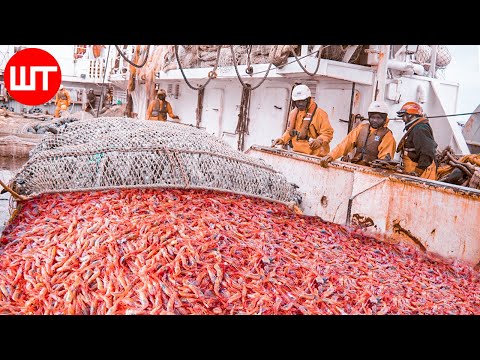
(151, 107)
(319, 128)
(59, 101)
(387, 146)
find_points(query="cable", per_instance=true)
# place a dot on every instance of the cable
(247, 86)
(211, 75)
(441, 116)
(303, 68)
(12, 192)
(130, 62)
(438, 116)
(290, 62)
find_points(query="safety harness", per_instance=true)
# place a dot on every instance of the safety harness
(367, 146)
(403, 140)
(303, 133)
(160, 112)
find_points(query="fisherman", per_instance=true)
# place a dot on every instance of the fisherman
(91, 100)
(371, 139)
(107, 100)
(309, 128)
(417, 146)
(62, 101)
(159, 107)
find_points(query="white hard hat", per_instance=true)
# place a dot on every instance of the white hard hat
(378, 107)
(63, 107)
(61, 87)
(301, 92)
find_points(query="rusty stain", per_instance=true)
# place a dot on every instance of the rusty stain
(362, 221)
(356, 98)
(353, 167)
(324, 201)
(397, 228)
(468, 125)
(392, 176)
(447, 188)
(462, 200)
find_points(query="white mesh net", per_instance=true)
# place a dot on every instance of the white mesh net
(108, 152)
(424, 53)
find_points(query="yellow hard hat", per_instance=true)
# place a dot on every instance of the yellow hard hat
(63, 107)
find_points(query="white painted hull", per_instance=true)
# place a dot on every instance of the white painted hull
(438, 217)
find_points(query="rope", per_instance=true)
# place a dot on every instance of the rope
(199, 109)
(103, 81)
(243, 118)
(12, 192)
(441, 116)
(249, 68)
(291, 62)
(318, 62)
(465, 167)
(130, 62)
(438, 116)
(288, 63)
(248, 86)
(461, 167)
(14, 209)
(211, 75)
(43, 156)
(182, 169)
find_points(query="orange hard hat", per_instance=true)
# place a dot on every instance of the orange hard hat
(411, 108)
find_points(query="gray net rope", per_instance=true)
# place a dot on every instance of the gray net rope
(109, 152)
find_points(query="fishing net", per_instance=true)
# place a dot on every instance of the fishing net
(338, 52)
(108, 152)
(443, 57)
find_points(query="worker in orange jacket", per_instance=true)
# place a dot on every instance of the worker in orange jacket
(159, 108)
(417, 146)
(62, 100)
(371, 140)
(308, 128)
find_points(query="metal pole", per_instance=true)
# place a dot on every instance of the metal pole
(382, 72)
(350, 121)
(433, 61)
